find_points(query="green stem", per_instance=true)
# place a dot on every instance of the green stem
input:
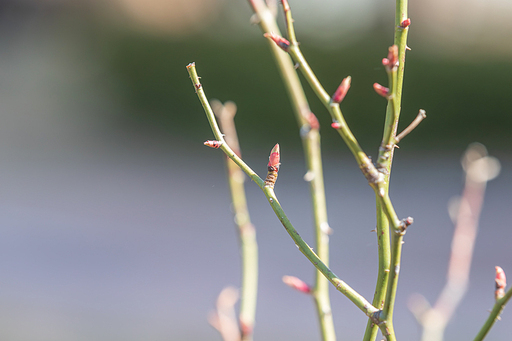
(340, 285)
(384, 252)
(247, 232)
(191, 68)
(494, 315)
(311, 145)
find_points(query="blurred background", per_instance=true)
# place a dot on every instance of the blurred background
(115, 220)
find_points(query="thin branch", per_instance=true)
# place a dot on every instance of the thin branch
(247, 232)
(479, 169)
(494, 315)
(366, 307)
(309, 132)
(421, 116)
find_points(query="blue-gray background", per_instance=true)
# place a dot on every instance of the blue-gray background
(115, 220)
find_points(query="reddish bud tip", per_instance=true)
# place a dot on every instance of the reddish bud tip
(313, 121)
(296, 284)
(336, 125)
(405, 23)
(286, 6)
(245, 327)
(391, 61)
(280, 41)
(342, 90)
(275, 157)
(381, 90)
(501, 283)
(213, 143)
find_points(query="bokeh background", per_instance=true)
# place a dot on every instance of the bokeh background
(115, 220)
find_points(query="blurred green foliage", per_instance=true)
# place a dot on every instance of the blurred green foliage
(465, 101)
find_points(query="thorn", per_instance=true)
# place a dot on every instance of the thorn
(296, 66)
(374, 230)
(407, 48)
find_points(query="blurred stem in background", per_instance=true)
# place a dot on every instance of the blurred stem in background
(309, 131)
(247, 233)
(465, 213)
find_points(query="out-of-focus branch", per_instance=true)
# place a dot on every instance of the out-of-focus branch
(247, 233)
(479, 169)
(224, 318)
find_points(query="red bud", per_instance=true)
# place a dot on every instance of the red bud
(405, 23)
(391, 62)
(336, 125)
(297, 284)
(501, 283)
(313, 121)
(340, 93)
(286, 6)
(381, 90)
(213, 143)
(280, 41)
(275, 157)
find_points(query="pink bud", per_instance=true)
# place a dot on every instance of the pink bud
(213, 143)
(340, 93)
(336, 125)
(405, 23)
(313, 121)
(501, 283)
(286, 6)
(280, 41)
(391, 61)
(381, 90)
(275, 157)
(297, 284)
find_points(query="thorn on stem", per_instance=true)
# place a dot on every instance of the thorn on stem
(280, 41)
